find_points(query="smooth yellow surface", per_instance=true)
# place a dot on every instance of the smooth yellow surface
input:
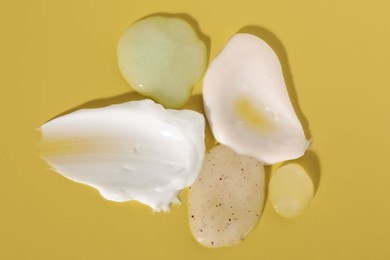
(57, 55)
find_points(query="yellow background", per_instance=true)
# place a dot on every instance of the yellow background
(57, 55)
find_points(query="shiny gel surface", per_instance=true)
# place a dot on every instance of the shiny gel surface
(291, 190)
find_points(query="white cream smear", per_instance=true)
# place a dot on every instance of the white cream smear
(132, 151)
(247, 103)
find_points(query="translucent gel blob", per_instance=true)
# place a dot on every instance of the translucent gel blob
(291, 190)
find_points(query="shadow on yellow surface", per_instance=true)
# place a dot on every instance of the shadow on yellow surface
(103, 102)
(311, 164)
(196, 103)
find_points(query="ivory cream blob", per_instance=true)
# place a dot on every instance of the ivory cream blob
(247, 103)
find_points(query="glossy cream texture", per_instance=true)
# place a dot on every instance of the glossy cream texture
(132, 151)
(247, 103)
